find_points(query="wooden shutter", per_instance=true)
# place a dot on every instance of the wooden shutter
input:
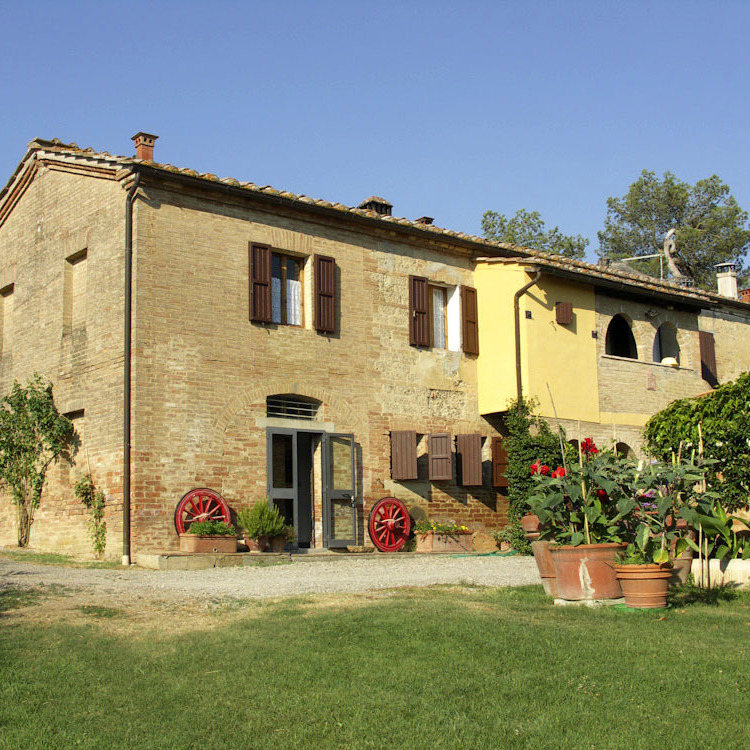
(403, 454)
(419, 311)
(708, 358)
(469, 459)
(499, 463)
(324, 291)
(470, 320)
(564, 313)
(260, 283)
(439, 455)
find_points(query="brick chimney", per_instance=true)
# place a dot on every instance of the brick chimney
(427, 220)
(745, 296)
(378, 205)
(726, 279)
(144, 146)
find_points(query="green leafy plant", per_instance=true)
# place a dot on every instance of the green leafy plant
(33, 434)
(211, 528)
(719, 422)
(447, 527)
(529, 440)
(94, 500)
(261, 519)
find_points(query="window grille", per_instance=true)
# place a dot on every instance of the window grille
(291, 407)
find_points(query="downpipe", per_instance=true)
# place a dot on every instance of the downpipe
(517, 324)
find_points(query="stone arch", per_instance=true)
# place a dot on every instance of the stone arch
(624, 450)
(620, 341)
(666, 344)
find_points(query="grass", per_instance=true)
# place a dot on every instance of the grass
(438, 668)
(52, 558)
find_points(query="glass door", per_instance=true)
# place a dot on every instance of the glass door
(339, 491)
(282, 472)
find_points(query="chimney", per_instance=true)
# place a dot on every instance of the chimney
(726, 279)
(425, 220)
(144, 146)
(378, 205)
(745, 296)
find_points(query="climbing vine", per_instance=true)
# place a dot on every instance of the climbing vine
(724, 419)
(94, 500)
(530, 440)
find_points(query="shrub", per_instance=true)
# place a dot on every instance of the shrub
(94, 500)
(723, 417)
(261, 519)
(211, 528)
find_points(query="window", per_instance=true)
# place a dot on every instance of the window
(439, 454)
(708, 358)
(620, 341)
(74, 292)
(275, 287)
(286, 406)
(665, 344)
(439, 316)
(6, 319)
(324, 283)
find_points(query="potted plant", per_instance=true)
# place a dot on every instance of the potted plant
(434, 536)
(261, 523)
(584, 512)
(209, 536)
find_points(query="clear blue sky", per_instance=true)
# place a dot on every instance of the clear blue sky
(444, 108)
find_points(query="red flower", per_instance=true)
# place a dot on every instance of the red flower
(533, 469)
(544, 470)
(558, 472)
(601, 494)
(588, 447)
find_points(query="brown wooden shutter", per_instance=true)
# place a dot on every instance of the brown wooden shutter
(403, 454)
(260, 283)
(499, 463)
(324, 291)
(469, 459)
(564, 313)
(419, 311)
(439, 454)
(708, 358)
(470, 320)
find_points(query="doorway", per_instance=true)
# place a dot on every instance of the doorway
(311, 480)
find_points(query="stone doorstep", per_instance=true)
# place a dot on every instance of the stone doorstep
(205, 560)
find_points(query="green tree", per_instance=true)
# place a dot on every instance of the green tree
(33, 434)
(528, 230)
(711, 227)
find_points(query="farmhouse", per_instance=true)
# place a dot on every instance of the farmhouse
(210, 333)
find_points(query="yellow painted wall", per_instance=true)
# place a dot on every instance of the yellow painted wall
(563, 357)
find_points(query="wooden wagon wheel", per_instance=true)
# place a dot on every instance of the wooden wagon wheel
(200, 505)
(389, 524)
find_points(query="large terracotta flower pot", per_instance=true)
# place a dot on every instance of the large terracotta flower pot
(546, 567)
(197, 544)
(430, 541)
(586, 572)
(257, 544)
(278, 543)
(644, 586)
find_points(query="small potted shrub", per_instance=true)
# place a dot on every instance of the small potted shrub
(209, 536)
(261, 523)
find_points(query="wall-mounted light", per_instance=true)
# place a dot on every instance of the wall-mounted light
(651, 313)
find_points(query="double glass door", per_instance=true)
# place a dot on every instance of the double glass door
(303, 466)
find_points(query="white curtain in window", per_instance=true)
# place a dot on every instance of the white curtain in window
(276, 299)
(293, 303)
(438, 318)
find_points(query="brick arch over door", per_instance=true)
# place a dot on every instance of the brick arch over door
(341, 409)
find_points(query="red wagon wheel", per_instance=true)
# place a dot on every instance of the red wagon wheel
(389, 524)
(200, 505)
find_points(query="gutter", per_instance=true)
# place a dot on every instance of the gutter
(517, 324)
(127, 359)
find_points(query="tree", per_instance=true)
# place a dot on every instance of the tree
(528, 230)
(711, 227)
(33, 434)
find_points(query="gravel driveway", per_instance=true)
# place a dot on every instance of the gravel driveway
(343, 575)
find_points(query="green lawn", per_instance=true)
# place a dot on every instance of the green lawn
(446, 667)
(52, 558)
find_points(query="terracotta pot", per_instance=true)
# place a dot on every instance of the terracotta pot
(257, 544)
(644, 586)
(278, 543)
(586, 572)
(429, 541)
(201, 544)
(530, 523)
(546, 567)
